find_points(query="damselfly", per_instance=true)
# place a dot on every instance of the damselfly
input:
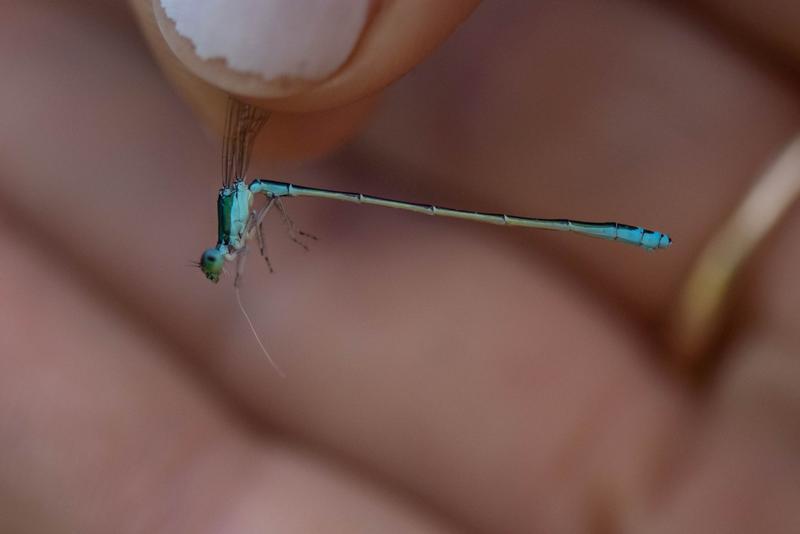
(239, 222)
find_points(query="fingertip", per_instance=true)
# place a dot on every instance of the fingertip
(289, 136)
(265, 49)
(298, 56)
(320, 90)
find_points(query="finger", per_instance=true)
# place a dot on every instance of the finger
(739, 464)
(736, 466)
(773, 21)
(290, 136)
(332, 53)
(364, 48)
(101, 432)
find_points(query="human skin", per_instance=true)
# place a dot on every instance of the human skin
(441, 376)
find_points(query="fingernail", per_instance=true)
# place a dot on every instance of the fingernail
(278, 46)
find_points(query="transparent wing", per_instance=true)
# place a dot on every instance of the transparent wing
(242, 125)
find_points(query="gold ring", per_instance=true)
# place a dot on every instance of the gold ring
(704, 302)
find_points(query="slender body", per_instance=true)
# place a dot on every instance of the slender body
(632, 235)
(239, 222)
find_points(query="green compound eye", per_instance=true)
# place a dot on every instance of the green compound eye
(211, 263)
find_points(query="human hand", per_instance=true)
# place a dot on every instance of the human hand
(441, 376)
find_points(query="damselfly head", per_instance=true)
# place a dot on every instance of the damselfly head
(211, 263)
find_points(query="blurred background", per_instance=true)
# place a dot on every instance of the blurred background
(650, 113)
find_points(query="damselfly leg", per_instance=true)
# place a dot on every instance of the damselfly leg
(294, 233)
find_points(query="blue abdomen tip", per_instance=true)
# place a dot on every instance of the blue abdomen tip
(652, 240)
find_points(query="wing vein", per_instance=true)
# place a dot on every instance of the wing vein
(242, 125)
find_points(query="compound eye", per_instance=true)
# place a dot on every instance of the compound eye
(210, 257)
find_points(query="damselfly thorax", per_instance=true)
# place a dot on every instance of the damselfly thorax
(234, 214)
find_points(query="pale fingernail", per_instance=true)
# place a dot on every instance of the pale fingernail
(285, 43)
